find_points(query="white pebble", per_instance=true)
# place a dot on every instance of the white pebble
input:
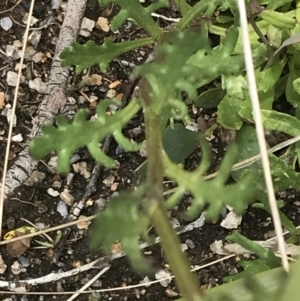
(17, 138)
(6, 23)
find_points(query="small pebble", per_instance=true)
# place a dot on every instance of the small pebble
(6, 23)
(62, 208)
(24, 261)
(53, 192)
(17, 138)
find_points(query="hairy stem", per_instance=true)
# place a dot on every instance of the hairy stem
(186, 281)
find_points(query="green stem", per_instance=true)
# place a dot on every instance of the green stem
(192, 14)
(184, 7)
(263, 39)
(186, 281)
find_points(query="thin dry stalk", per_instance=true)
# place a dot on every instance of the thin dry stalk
(88, 284)
(7, 10)
(260, 132)
(13, 114)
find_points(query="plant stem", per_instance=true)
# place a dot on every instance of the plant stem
(184, 7)
(192, 14)
(186, 281)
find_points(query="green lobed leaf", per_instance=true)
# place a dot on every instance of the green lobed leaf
(98, 54)
(213, 194)
(235, 85)
(281, 122)
(228, 110)
(284, 175)
(164, 76)
(125, 219)
(255, 41)
(268, 78)
(66, 138)
(199, 9)
(266, 83)
(210, 98)
(225, 63)
(141, 15)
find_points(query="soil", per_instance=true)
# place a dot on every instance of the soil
(34, 203)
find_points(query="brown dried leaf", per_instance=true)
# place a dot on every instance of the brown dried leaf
(19, 247)
(83, 224)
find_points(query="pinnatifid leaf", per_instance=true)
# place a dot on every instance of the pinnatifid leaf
(125, 219)
(66, 138)
(214, 193)
(141, 15)
(98, 54)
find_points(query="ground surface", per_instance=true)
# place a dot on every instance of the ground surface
(34, 203)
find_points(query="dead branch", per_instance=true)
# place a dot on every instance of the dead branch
(55, 99)
(24, 285)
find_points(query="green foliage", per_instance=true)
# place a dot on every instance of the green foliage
(281, 122)
(225, 62)
(118, 219)
(141, 15)
(184, 63)
(284, 175)
(263, 286)
(179, 142)
(98, 54)
(88, 133)
(210, 98)
(278, 19)
(165, 78)
(213, 193)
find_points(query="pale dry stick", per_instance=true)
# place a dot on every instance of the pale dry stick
(250, 161)
(135, 285)
(260, 132)
(247, 162)
(55, 99)
(176, 20)
(18, 285)
(89, 283)
(130, 286)
(41, 232)
(13, 114)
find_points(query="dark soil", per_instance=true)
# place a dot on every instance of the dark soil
(36, 205)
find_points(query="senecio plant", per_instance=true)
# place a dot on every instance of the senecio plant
(184, 61)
